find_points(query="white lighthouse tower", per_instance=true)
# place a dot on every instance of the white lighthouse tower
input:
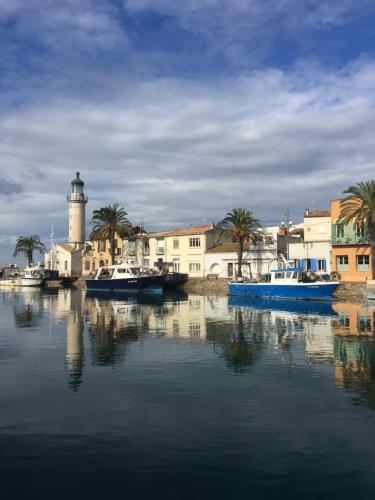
(77, 203)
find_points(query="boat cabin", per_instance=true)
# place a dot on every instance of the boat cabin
(119, 271)
(288, 275)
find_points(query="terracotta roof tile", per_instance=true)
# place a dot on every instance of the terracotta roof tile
(181, 232)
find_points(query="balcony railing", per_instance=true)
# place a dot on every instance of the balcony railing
(349, 240)
(342, 235)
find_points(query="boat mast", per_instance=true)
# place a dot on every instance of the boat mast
(52, 246)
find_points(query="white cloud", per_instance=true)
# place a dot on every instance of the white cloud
(175, 152)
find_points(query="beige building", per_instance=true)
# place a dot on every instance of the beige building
(97, 254)
(182, 249)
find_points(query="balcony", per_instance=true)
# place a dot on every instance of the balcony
(346, 237)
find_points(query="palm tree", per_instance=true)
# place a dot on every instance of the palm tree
(359, 207)
(26, 245)
(241, 225)
(109, 221)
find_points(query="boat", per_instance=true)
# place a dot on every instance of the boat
(32, 276)
(125, 277)
(9, 275)
(288, 283)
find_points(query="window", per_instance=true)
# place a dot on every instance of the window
(147, 246)
(230, 269)
(160, 245)
(146, 262)
(339, 230)
(360, 230)
(101, 263)
(321, 264)
(93, 265)
(344, 319)
(364, 322)
(363, 262)
(342, 262)
(194, 242)
(194, 328)
(176, 327)
(87, 265)
(132, 247)
(194, 304)
(176, 243)
(101, 246)
(176, 265)
(65, 265)
(194, 267)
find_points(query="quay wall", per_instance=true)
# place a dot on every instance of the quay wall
(353, 292)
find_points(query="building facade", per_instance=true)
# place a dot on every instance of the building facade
(221, 260)
(350, 248)
(182, 250)
(97, 254)
(313, 251)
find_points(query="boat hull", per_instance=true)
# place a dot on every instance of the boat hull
(300, 291)
(30, 282)
(140, 283)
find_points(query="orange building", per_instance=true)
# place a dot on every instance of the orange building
(350, 248)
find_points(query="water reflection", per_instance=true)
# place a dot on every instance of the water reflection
(243, 332)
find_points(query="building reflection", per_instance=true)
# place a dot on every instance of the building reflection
(239, 331)
(74, 343)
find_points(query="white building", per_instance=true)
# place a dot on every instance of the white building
(313, 252)
(222, 259)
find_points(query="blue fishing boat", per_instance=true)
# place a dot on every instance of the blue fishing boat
(124, 278)
(286, 283)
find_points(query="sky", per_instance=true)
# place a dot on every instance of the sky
(182, 110)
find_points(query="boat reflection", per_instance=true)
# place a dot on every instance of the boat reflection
(241, 331)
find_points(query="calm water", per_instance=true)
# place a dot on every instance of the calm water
(184, 397)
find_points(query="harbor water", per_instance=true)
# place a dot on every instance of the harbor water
(184, 397)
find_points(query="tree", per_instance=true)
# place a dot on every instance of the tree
(27, 245)
(109, 221)
(242, 226)
(359, 207)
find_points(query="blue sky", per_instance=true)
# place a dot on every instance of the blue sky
(181, 111)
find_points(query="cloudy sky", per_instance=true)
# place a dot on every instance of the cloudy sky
(182, 110)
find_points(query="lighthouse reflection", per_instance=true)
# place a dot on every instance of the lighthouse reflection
(101, 330)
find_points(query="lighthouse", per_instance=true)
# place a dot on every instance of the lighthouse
(77, 203)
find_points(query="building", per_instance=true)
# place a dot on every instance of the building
(350, 248)
(97, 254)
(181, 249)
(67, 257)
(313, 250)
(221, 260)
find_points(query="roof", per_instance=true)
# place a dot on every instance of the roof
(317, 213)
(67, 247)
(77, 180)
(232, 247)
(182, 232)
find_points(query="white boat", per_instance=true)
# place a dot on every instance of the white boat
(32, 276)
